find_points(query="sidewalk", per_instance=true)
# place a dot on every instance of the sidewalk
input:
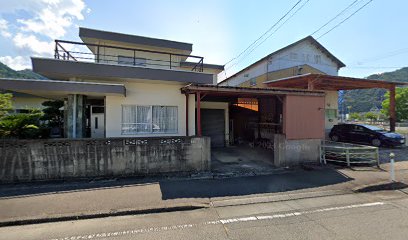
(35, 203)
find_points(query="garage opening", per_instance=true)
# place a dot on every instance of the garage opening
(213, 126)
(243, 124)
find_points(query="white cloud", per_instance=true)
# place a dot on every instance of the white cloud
(53, 19)
(33, 44)
(16, 63)
(4, 29)
(43, 21)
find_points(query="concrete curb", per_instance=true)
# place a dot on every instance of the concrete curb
(71, 217)
(277, 198)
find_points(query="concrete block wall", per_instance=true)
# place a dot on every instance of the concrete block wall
(293, 152)
(31, 160)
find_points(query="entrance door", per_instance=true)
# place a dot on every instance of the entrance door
(213, 126)
(97, 124)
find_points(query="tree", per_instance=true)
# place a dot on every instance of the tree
(53, 114)
(401, 104)
(371, 116)
(354, 116)
(5, 103)
(21, 125)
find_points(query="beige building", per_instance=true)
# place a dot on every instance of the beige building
(302, 57)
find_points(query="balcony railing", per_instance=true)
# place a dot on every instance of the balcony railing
(79, 51)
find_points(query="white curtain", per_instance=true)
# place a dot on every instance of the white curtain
(148, 119)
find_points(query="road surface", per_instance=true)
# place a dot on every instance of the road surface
(378, 215)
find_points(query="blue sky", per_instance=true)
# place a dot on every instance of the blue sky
(373, 40)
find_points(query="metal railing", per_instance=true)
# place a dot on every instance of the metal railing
(348, 153)
(68, 50)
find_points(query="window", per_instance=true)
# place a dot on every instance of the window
(252, 82)
(293, 56)
(318, 59)
(132, 61)
(149, 119)
(331, 113)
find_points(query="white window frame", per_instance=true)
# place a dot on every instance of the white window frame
(151, 122)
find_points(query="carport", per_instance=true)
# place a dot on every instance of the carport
(335, 83)
(271, 119)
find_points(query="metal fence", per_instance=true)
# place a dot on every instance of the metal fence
(351, 154)
(90, 52)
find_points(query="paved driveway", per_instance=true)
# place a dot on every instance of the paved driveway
(401, 154)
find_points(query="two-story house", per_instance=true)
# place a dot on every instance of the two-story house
(302, 57)
(119, 85)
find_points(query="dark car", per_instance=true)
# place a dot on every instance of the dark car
(366, 134)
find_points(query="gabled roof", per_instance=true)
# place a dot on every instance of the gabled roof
(311, 39)
(133, 39)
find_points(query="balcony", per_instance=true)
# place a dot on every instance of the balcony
(115, 55)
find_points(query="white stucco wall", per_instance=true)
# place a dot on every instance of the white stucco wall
(299, 54)
(149, 94)
(246, 75)
(302, 53)
(331, 102)
(28, 102)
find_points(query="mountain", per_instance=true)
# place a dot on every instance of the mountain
(6, 72)
(362, 100)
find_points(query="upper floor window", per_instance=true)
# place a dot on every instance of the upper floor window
(293, 56)
(252, 82)
(318, 59)
(132, 61)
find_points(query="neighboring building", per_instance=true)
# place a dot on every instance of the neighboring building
(304, 56)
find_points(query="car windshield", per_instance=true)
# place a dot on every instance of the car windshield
(374, 128)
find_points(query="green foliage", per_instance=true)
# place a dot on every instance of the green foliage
(21, 125)
(362, 100)
(401, 104)
(52, 113)
(5, 103)
(371, 116)
(354, 116)
(6, 72)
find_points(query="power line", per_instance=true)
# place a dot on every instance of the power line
(297, 3)
(297, 10)
(339, 14)
(331, 29)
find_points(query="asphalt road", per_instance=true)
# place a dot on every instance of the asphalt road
(379, 215)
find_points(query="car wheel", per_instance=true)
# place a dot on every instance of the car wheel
(335, 138)
(376, 142)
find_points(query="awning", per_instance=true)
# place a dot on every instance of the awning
(328, 82)
(59, 89)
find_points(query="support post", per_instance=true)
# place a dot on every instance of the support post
(348, 157)
(97, 54)
(187, 95)
(393, 114)
(310, 85)
(198, 95)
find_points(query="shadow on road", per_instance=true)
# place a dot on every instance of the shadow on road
(295, 180)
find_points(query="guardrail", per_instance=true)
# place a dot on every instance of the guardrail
(348, 153)
(68, 50)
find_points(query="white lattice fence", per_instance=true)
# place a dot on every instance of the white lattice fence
(348, 153)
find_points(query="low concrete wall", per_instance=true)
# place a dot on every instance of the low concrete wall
(30, 160)
(292, 152)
